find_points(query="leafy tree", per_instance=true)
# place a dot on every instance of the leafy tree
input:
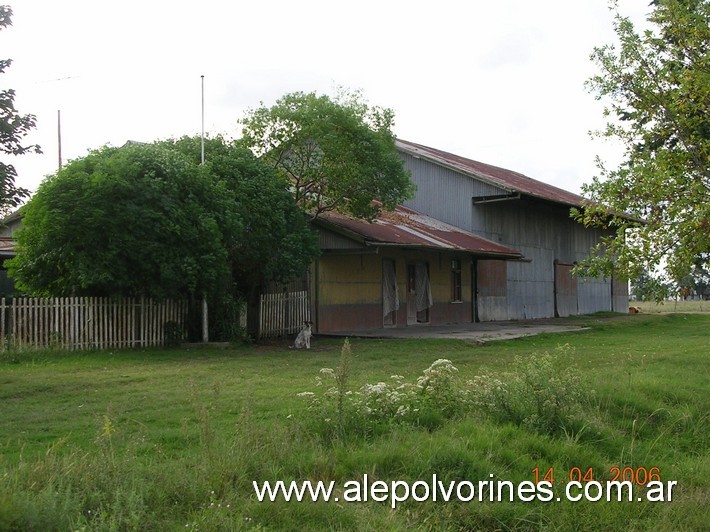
(685, 286)
(657, 86)
(149, 220)
(697, 281)
(133, 221)
(13, 128)
(701, 274)
(645, 286)
(274, 242)
(339, 154)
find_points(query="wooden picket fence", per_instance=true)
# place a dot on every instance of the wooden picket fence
(89, 323)
(283, 313)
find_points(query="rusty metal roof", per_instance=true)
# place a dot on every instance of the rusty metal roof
(7, 246)
(507, 180)
(407, 228)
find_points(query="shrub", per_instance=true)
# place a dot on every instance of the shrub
(543, 392)
(436, 395)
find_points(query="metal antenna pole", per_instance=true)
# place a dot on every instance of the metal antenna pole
(203, 120)
(59, 138)
(205, 322)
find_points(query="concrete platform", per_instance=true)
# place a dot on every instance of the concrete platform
(478, 332)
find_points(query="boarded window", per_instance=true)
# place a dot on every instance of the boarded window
(492, 278)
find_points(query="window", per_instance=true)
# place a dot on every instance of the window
(456, 281)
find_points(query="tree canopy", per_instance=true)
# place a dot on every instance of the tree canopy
(273, 242)
(13, 128)
(338, 154)
(149, 220)
(657, 89)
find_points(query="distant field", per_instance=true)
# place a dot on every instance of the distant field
(173, 439)
(672, 306)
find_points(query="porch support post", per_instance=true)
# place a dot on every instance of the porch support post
(205, 329)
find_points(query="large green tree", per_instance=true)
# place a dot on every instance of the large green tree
(13, 128)
(338, 153)
(656, 85)
(134, 221)
(150, 220)
(274, 241)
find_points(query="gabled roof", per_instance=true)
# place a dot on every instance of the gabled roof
(407, 228)
(508, 180)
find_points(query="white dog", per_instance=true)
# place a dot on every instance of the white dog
(304, 337)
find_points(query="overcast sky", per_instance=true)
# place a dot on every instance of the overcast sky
(500, 82)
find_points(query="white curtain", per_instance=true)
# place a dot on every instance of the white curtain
(423, 288)
(390, 292)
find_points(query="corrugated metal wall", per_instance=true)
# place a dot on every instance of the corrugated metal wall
(531, 285)
(543, 231)
(444, 194)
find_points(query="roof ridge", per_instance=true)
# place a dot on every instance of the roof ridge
(504, 178)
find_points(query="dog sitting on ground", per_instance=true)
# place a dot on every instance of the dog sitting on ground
(304, 337)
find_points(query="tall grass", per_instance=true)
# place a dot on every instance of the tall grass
(167, 440)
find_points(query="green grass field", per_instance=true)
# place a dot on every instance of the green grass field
(173, 439)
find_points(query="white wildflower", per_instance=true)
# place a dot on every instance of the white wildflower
(402, 410)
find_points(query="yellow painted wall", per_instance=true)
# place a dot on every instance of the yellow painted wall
(350, 279)
(349, 288)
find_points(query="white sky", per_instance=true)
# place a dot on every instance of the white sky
(500, 82)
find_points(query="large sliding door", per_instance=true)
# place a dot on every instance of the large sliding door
(566, 303)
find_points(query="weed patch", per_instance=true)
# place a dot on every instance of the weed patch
(544, 392)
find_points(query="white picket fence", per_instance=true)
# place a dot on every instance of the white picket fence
(283, 313)
(88, 322)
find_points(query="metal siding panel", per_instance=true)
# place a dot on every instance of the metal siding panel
(492, 309)
(331, 240)
(542, 233)
(531, 285)
(594, 295)
(443, 193)
(620, 295)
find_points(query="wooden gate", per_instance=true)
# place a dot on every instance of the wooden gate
(283, 313)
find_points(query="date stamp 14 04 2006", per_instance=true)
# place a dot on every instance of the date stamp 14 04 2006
(620, 480)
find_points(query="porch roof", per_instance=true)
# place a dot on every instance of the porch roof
(407, 228)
